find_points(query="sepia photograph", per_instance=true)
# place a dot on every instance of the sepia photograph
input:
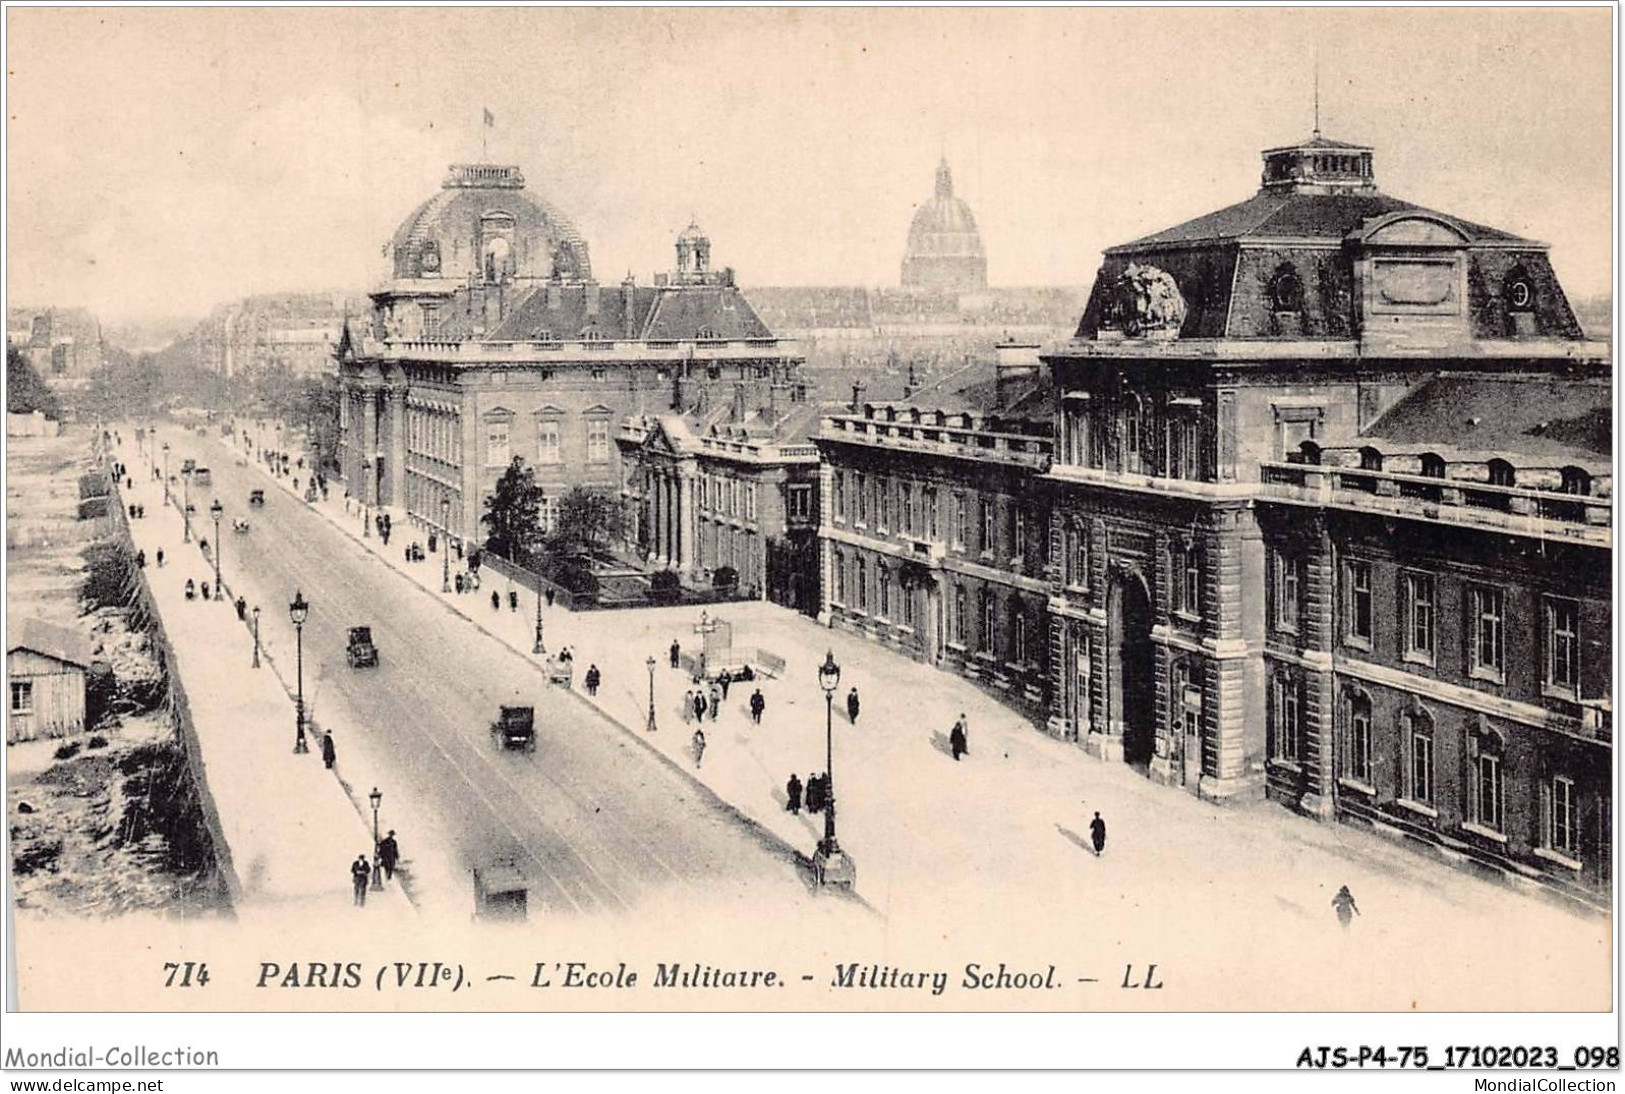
(811, 514)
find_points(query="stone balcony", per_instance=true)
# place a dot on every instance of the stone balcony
(1014, 449)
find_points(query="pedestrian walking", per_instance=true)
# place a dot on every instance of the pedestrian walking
(513, 600)
(699, 705)
(792, 794)
(716, 701)
(205, 588)
(592, 678)
(1097, 834)
(329, 753)
(815, 794)
(496, 601)
(757, 705)
(389, 854)
(458, 584)
(141, 560)
(958, 742)
(191, 589)
(688, 705)
(242, 608)
(360, 874)
(675, 652)
(852, 706)
(725, 679)
(160, 558)
(1346, 908)
(699, 746)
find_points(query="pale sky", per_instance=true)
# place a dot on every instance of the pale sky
(162, 161)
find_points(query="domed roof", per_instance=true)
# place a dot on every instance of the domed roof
(483, 220)
(692, 234)
(944, 227)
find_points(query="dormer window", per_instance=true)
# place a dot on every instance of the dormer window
(1432, 465)
(1502, 473)
(1575, 481)
(1370, 459)
(1519, 291)
(706, 334)
(1286, 290)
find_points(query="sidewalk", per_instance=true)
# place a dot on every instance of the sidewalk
(291, 830)
(1001, 838)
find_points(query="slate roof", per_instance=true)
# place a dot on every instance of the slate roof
(49, 639)
(1288, 215)
(1538, 418)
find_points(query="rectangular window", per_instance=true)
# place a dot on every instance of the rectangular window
(839, 566)
(547, 441)
(22, 697)
(1487, 792)
(959, 520)
(863, 583)
(547, 514)
(750, 501)
(1420, 768)
(1359, 747)
(907, 491)
(1562, 644)
(1288, 745)
(1357, 608)
(1560, 831)
(1018, 549)
(1286, 594)
(1487, 631)
(597, 440)
(862, 490)
(840, 495)
(928, 503)
(1183, 451)
(1078, 557)
(1419, 604)
(988, 610)
(990, 525)
(800, 502)
(496, 444)
(1018, 625)
(956, 620)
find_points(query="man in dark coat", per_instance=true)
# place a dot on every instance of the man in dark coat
(957, 741)
(815, 793)
(329, 753)
(792, 794)
(676, 651)
(513, 600)
(1097, 834)
(852, 706)
(724, 680)
(389, 854)
(593, 679)
(699, 705)
(360, 874)
(757, 705)
(496, 601)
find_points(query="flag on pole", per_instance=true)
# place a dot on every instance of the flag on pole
(490, 119)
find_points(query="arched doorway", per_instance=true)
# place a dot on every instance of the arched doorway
(1131, 668)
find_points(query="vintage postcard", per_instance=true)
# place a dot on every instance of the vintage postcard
(1096, 510)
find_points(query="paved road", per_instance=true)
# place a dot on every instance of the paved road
(598, 823)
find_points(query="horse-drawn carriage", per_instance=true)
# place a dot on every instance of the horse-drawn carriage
(515, 727)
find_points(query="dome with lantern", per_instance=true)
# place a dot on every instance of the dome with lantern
(945, 250)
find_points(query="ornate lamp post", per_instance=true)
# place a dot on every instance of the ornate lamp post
(366, 473)
(445, 546)
(256, 636)
(299, 611)
(650, 664)
(186, 506)
(538, 649)
(166, 472)
(215, 511)
(831, 865)
(376, 798)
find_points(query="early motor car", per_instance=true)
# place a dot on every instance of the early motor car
(361, 653)
(256, 497)
(500, 891)
(515, 727)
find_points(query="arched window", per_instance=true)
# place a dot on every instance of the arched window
(1018, 633)
(1309, 453)
(1357, 737)
(1502, 473)
(1370, 459)
(883, 588)
(1575, 481)
(1485, 749)
(1131, 433)
(839, 566)
(1432, 465)
(1416, 741)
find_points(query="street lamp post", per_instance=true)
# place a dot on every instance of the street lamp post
(538, 649)
(166, 472)
(256, 636)
(445, 546)
(831, 865)
(299, 611)
(376, 798)
(186, 506)
(651, 727)
(366, 473)
(215, 511)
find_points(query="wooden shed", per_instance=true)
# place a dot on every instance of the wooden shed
(45, 668)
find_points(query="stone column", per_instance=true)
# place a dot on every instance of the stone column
(369, 446)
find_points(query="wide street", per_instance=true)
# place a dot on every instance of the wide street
(597, 823)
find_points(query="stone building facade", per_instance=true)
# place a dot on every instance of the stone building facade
(738, 492)
(936, 543)
(492, 341)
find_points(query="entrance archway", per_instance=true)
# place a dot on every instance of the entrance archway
(1131, 665)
